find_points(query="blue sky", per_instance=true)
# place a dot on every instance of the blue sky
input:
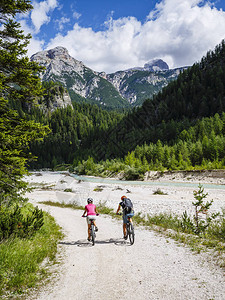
(119, 34)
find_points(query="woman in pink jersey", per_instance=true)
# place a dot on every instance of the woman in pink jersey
(91, 211)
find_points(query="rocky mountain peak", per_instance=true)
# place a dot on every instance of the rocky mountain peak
(56, 61)
(156, 65)
(57, 52)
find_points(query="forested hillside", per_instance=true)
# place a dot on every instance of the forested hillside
(198, 92)
(181, 127)
(71, 127)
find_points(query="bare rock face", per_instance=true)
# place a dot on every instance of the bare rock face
(56, 61)
(61, 101)
(56, 97)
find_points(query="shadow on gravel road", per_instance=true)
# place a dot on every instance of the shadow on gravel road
(85, 243)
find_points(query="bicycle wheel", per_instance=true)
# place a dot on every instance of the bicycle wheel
(130, 232)
(93, 234)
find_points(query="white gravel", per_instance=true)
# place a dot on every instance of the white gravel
(155, 267)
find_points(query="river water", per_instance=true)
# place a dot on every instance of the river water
(146, 183)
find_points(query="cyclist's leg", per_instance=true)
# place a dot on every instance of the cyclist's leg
(89, 227)
(124, 230)
(89, 231)
(125, 225)
(94, 222)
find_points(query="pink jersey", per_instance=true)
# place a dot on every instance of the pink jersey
(90, 208)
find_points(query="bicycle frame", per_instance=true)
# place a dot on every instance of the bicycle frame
(93, 234)
(92, 230)
(130, 230)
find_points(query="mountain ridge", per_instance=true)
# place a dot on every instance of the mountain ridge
(116, 90)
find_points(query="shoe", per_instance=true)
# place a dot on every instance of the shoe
(96, 229)
(88, 239)
(125, 237)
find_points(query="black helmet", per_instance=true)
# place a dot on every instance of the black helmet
(89, 200)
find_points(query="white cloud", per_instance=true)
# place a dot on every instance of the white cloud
(35, 44)
(76, 15)
(39, 14)
(178, 31)
(61, 22)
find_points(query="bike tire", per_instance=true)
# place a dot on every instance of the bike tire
(93, 234)
(130, 232)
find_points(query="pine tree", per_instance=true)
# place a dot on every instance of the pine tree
(18, 83)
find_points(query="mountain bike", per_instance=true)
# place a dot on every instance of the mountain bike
(92, 229)
(93, 234)
(129, 229)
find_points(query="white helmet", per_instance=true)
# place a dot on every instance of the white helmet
(89, 200)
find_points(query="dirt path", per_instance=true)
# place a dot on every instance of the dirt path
(155, 267)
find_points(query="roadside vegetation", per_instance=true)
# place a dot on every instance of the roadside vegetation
(25, 255)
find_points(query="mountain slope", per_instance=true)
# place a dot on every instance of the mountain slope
(137, 85)
(117, 90)
(198, 92)
(81, 82)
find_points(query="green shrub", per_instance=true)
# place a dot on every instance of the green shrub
(132, 173)
(217, 227)
(69, 190)
(164, 220)
(19, 222)
(159, 192)
(98, 189)
(186, 223)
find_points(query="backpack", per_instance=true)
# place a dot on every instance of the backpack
(128, 205)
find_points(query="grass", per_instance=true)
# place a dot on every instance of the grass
(101, 208)
(21, 260)
(72, 205)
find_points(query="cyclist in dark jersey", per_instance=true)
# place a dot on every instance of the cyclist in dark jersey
(126, 214)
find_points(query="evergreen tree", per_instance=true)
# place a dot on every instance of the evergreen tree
(18, 83)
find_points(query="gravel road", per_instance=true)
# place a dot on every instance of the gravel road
(155, 267)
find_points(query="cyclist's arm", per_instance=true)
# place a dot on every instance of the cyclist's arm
(118, 209)
(96, 210)
(85, 211)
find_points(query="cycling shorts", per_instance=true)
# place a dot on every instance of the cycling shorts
(125, 217)
(91, 217)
